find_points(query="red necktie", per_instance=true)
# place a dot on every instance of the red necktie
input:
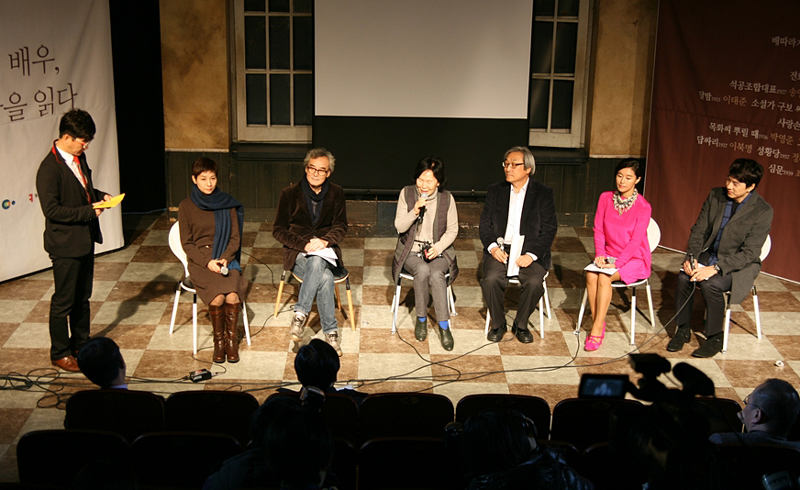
(77, 162)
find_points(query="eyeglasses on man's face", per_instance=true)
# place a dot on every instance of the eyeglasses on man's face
(83, 143)
(512, 165)
(317, 171)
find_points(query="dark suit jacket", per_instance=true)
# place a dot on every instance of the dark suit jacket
(71, 225)
(293, 226)
(742, 238)
(538, 222)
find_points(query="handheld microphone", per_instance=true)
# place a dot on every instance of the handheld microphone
(500, 241)
(423, 208)
(224, 270)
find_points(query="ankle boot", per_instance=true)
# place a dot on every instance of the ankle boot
(218, 323)
(232, 331)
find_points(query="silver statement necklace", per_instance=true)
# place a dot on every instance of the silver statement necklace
(621, 204)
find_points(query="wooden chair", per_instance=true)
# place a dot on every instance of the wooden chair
(653, 238)
(341, 275)
(230, 412)
(533, 407)
(55, 457)
(185, 284)
(128, 413)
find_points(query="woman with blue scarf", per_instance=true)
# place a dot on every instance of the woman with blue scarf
(211, 224)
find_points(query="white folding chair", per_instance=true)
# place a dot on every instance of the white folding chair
(764, 253)
(451, 303)
(185, 284)
(544, 300)
(654, 238)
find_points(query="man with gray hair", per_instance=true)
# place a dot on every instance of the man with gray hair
(769, 413)
(517, 209)
(310, 222)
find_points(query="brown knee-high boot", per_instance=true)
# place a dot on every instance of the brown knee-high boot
(218, 323)
(231, 331)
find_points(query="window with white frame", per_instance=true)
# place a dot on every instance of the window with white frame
(559, 70)
(273, 70)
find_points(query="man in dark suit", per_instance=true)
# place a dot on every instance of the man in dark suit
(67, 196)
(310, 222)
(723, 253)
(518, 207)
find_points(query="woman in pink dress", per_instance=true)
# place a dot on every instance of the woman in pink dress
(620, 242)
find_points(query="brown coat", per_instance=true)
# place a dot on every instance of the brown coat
(293, 227)
(197, 237)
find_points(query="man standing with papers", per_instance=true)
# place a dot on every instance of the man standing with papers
(69, 200)
(519, 217)
(310, 222)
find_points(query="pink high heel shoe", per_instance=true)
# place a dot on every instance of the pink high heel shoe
(593, 342)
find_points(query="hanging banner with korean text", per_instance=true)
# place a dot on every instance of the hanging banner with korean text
(54, 56)
(726, 85)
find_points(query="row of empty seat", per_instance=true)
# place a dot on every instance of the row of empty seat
(581, 422)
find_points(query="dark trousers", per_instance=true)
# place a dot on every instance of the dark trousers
(73, 283)
(712, 294)
(495, 282)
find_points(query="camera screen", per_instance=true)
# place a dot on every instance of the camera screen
(602, 385)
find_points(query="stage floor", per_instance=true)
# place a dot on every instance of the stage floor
(134, 291)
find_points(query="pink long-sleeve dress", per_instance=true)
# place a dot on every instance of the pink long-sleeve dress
(624, 236)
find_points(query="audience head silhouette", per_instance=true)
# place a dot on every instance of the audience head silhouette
(317, 364)
(101, 361)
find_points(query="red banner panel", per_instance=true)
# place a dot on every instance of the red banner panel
(726, 85)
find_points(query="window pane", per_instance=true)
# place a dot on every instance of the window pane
(568, 8)
(303, 43)
(255, 43)
(302, 6)
(566, 44)
(542, 49)
(544, 7)
(254, 6)
(540, 95)
(279, 6)
(256, 86)
(279, 43)
(303, 99)
(562, 104)
(279, 100)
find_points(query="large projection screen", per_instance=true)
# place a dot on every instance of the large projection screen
(56, 56)
(398, 81)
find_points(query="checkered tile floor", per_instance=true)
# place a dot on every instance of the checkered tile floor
(134, 291)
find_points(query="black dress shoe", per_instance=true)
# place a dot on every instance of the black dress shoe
(682, 335)
(421, 329)
(445, 337)
(711, 347)
(523, 334)
(496, 334)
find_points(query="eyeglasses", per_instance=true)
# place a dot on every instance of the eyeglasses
(513, 165)
(84, 144)
(317, 171)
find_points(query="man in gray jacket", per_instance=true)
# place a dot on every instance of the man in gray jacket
(723, 253)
